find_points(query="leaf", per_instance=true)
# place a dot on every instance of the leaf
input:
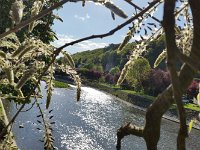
(50, 110)
(10, 74)
(39, 121)
(190, 125)
(49, 94)
(49, 87)
(160, 58)
(16, 12)
(145, 31)
(2, 54)
(142, 37)
(69, 59)
(126, 39)
(113, 15)
(37, 6)
(124, 72)
(83, 3)
(26, 75)
(78, 84)
(52, 122)
(8, 44)
(116, 10)
(149, 28)
(198, 99)
(50, 117)
(58, 17)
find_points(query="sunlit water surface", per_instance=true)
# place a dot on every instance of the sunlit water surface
(90, 124)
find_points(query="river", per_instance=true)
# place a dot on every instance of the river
(90, 124)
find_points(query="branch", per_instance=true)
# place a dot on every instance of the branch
(139, 8)
(172, 50)
(125, 130)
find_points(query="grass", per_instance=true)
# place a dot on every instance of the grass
(59, 84)
(187, 106)
(139, 94)
(110, 86)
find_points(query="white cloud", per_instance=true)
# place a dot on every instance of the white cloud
(82, 18)
(83, 46)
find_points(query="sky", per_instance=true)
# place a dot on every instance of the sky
(79, 22)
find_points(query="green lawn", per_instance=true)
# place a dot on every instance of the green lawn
(59, 84)
(111, 86)
(188, 106)
(139, 94)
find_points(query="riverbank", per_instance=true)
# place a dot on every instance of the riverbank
(138, 101)
(142, 102)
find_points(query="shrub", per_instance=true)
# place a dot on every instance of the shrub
(114, 70)
(156, 82)
(109, 78)
(138, 71)
(193, 90)
(90, 74)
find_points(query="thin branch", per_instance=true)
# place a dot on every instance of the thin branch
(128, 129)
(139, 8)
(28, 108)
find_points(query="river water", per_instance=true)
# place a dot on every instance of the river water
(90, 124)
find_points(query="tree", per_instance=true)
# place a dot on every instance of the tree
(114, 70)
(156, 82)
(138, 71)
(43, 29)
(177, 46)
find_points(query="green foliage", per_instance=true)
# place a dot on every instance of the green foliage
(138, 70)
(114, 70)
(21, 65)
(192, 107)
(154, 49)
(58, 84)
(42, 28)
(109, 58)
(98, 68)
(5, 21)
(106, 57)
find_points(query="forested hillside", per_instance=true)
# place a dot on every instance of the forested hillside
(104, 59)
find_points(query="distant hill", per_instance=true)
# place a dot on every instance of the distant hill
(107, 58)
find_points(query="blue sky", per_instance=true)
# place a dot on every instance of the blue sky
(92, 19)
